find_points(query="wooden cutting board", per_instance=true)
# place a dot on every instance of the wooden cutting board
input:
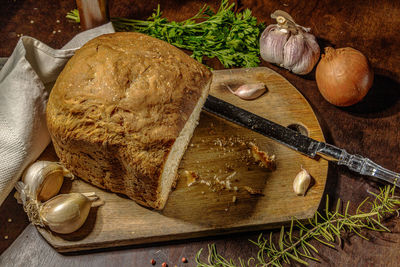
(214, 153)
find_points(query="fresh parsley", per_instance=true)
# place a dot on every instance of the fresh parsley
(231, 37)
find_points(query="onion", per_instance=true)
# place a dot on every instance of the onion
(343, 76)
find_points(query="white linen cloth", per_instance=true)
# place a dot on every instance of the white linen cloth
(25, 82)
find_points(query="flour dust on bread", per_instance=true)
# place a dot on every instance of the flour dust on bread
(122, 113)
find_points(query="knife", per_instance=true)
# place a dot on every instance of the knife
(298, 141)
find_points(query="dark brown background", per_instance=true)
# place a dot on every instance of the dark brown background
(370, 128)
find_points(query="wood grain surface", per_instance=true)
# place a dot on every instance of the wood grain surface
(369, 128)
(216, 151)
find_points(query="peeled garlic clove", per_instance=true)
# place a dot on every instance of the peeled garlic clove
(43, 179)
(65, 213)
(273, 40)
(301, 182)
(249, 91)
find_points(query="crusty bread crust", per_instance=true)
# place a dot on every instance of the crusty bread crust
(117, 108)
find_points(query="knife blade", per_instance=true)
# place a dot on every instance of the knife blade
(297, 141)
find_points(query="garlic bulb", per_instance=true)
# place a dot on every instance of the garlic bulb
(289, 45)
(66, 213)
(63, 213)
(43, 179)
(301, 182)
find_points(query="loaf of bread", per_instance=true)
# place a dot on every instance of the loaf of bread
(122, 113)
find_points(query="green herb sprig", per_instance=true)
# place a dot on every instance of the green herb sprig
(231, 37)
(326, 228)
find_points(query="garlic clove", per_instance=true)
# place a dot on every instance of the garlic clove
(293, 51)
(273, 40)
(249, 91)
(51, 185)
(301, 182)
(313, 44)
(310, 57)
(65, 213)
(43, 179)
(301, 53)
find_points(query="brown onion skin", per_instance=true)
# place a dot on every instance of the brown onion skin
(344, 76)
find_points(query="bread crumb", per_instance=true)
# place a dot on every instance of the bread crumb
(230, 176)
(58, 21)
(253, 191)
(174, 184)
(32, 22)
(234, 199)
(226, 209)
(191, 178)
(9, 220)
(262, 158)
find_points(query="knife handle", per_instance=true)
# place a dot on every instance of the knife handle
(358, 163)
(365, 166)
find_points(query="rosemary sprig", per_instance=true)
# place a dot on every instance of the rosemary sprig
(231, 37)
(326, 228)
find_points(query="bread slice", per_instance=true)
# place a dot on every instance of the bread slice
(122, 113)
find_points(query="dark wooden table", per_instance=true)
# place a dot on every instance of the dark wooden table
(370, 128)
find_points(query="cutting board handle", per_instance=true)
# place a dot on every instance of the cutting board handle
(93, 13)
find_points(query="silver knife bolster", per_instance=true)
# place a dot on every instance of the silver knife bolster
(330, 152)
(357, 163)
